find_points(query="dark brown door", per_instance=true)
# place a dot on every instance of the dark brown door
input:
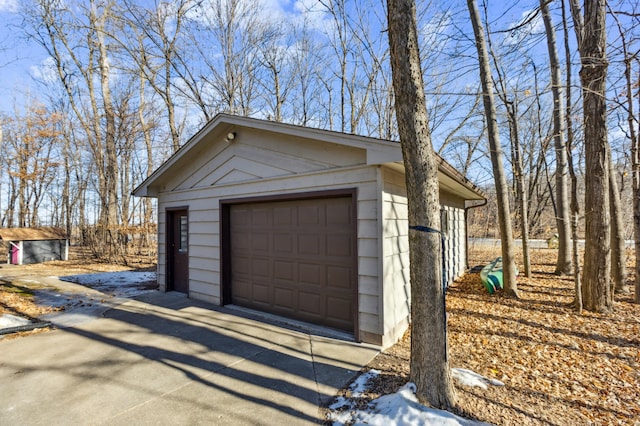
(296, 259)
(178, 250)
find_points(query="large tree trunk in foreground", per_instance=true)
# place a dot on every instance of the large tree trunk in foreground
(596, 289)
(504, 213)
(429, 360)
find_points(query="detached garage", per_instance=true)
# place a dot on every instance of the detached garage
(303, 223)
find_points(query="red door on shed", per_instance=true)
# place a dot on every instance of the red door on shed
(296, 258)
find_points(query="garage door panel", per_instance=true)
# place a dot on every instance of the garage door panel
(260, 242)
(309, 273)
(283, 243)
(242, 216)
(296, 258)
(260, 268)
(338, 214)
(241, 263)
(339, 245)
(338, 277)
(338, 309)
(284, 216)
(260, 216)
(310, 244)
(309, 215)
(284, 270)
(242, 289)
(261, 293)
(310, 303)
(284, 298)
(241, 240)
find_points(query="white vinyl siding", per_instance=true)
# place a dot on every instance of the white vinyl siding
(395, 240)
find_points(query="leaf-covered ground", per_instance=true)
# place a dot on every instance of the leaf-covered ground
(559, 367)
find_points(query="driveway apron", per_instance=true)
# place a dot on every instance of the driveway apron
(170, 360)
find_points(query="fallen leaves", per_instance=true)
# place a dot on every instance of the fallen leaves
(559, 367)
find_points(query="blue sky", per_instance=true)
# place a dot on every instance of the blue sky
(18, 58)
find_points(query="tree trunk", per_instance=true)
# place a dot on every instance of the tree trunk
(575, 206)
(521, 194)
(563, 265)
(635, 159)
(635, 173)
(504, 213)
(111, 164)
(596, 290)
(429, 358)
(618, 251)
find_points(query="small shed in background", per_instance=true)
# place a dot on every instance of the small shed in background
(34, 245)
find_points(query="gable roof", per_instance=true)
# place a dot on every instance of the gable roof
(378, 151)
(32, 234)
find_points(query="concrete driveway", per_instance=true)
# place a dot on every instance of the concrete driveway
(167, 359)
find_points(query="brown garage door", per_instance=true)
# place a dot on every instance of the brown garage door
(296, 259)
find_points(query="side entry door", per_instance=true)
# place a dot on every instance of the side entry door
(178, 250)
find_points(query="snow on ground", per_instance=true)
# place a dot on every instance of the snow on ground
(118, 284)
(471, 378)
(8, 321)
(401, 408)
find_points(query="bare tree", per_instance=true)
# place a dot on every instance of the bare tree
(511, 102)
(563, 265)
(575, 205)
(635, 154)
(504, 213)
(618, 266)
(226, 36)
(429, 360)
(618, 257)
(153, 46)
(591, 34)
(307, 63)
(77, 45)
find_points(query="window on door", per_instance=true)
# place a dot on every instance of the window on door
(184, 234)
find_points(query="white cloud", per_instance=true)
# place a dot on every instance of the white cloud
(45, 71)
(10, 6)
(525, 27)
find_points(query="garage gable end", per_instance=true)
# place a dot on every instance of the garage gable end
(254, 154)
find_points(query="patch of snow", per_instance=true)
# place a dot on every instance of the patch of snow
(471, 378)
(112, 278)
(359, 385)
(401, 408)
(8, 321)
(119, 284)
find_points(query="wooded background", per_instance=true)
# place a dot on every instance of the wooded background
(125, 83)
